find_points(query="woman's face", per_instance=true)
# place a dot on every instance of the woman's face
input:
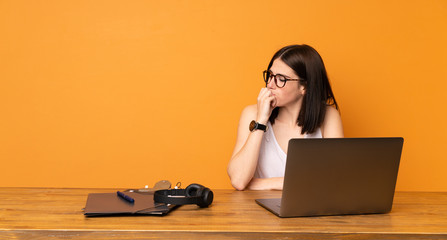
(292, 92)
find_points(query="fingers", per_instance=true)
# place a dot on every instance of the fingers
(264, 93)
(269, 97)
(266, 103)
(273, 102)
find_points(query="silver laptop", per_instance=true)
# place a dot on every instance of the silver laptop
(337, 176)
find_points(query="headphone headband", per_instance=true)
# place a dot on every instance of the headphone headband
(174, 196)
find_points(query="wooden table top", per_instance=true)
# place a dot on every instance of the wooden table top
(30, 213)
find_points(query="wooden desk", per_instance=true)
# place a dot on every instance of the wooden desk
(42, 213)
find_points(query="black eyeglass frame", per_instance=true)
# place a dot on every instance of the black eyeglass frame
(268, 75)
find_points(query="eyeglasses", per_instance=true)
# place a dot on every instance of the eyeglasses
(280, 80)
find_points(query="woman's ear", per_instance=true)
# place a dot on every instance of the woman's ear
(302, 89)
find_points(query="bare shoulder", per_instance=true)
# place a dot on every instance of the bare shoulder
(249, 111)
(248, 115)
(332, 125)
(331, 112)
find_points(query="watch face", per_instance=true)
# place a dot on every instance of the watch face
(252, 126)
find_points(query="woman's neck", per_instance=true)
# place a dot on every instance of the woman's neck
(289, 114)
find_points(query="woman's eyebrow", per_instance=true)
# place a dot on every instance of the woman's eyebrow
(280, 74)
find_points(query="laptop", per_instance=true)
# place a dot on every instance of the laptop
(338, 176)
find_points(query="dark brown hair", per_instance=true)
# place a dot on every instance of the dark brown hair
(308, 65)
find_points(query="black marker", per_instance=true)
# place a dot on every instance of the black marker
(125, 197)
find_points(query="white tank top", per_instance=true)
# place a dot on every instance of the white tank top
(272, 159)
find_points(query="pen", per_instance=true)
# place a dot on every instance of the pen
(125, 197)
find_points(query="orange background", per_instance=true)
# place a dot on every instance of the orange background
(125, 93)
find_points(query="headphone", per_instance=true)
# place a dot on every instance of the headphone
(193, 194)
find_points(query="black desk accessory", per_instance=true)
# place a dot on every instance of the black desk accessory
(193, 194)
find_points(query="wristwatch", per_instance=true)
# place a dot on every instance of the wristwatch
(255, 126)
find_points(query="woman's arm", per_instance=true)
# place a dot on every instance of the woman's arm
(332, 125)
(243, 164)
(244, 160)
(274, 183)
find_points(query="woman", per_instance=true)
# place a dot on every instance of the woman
(297, 102)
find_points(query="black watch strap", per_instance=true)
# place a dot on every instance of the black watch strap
(255, 126)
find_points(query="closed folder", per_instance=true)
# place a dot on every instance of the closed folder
(109, 204)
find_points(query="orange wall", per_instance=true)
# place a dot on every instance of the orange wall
(125, 93)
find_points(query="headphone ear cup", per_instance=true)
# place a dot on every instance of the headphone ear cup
(206, 198)
(194, 190)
